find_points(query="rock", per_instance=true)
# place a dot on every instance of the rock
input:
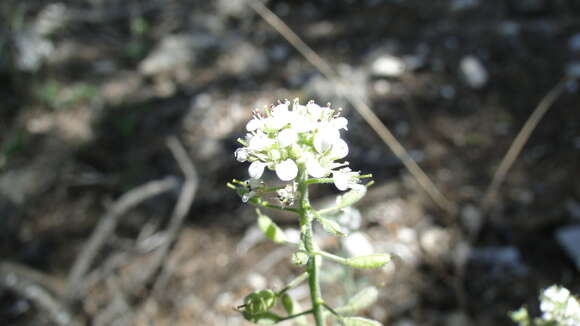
(501, 260)
(460, 5)
(472, 218)
(574, 42)
(473, 72)
(388, 66)
(569, 238)
(573, 208)
(435, 241)
(573, 70)
(357, 244)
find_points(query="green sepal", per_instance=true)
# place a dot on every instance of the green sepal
(360, 301)
(368, 261)
(270, 229)
(359, 321)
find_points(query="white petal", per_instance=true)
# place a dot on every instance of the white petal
(301, 123)
(241, 154)
(325, 138)
(287, 137)
(254, 124)
(341, 180)
(276, 122)
(314, 110)
(280, 109)
(339, 149)
(286, 170)
(315, 169)
(259, 142)
(340, 123)
(256, 169)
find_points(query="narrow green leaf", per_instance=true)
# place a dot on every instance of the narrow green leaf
(331, 226)
(270, 229)
(369, 261)
(359, 321)
(360, 301)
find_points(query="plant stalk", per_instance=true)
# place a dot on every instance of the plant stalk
(313, 265)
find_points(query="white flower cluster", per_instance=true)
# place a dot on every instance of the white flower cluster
(557, 304)
(284, 137)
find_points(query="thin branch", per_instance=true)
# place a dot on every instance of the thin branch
(180, 211)
(107, 225)
(363, 109)
(33, 286)
(521, 140)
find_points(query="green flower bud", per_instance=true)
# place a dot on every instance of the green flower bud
(259, 302)
(369, 261)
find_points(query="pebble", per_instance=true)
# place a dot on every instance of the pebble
(573, 70)
(569, 239)
(574, 42)
(502, 259)
(357, 244)
(473, 72)
(472, 218)
(388, 66)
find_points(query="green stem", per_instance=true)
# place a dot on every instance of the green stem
(313, 265)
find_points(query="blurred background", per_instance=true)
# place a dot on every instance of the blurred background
(92, 89)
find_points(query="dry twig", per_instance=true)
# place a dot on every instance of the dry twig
(520, 141)
(368, 115)
(179, 213)
(36, 287)
(107, 226)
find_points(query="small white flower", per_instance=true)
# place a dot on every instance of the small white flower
(287, 137)
(345, 179)
(286, 170)
(315, 169)
(241, 154)
(256, 169)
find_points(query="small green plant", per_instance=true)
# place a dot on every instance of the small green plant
(558, 306)
(302, 144)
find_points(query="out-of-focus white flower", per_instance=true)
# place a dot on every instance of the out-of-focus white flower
(287, 137)
(241, 154)
(315, 169)
(557, 304)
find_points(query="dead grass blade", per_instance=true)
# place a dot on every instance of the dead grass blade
(520, 141)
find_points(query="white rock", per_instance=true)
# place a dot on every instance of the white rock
(573, 70)
(473, 72)
(569, 239)
(435, 241)
(357, 244)
(388, 66)
(574, 42)
(472, 218)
